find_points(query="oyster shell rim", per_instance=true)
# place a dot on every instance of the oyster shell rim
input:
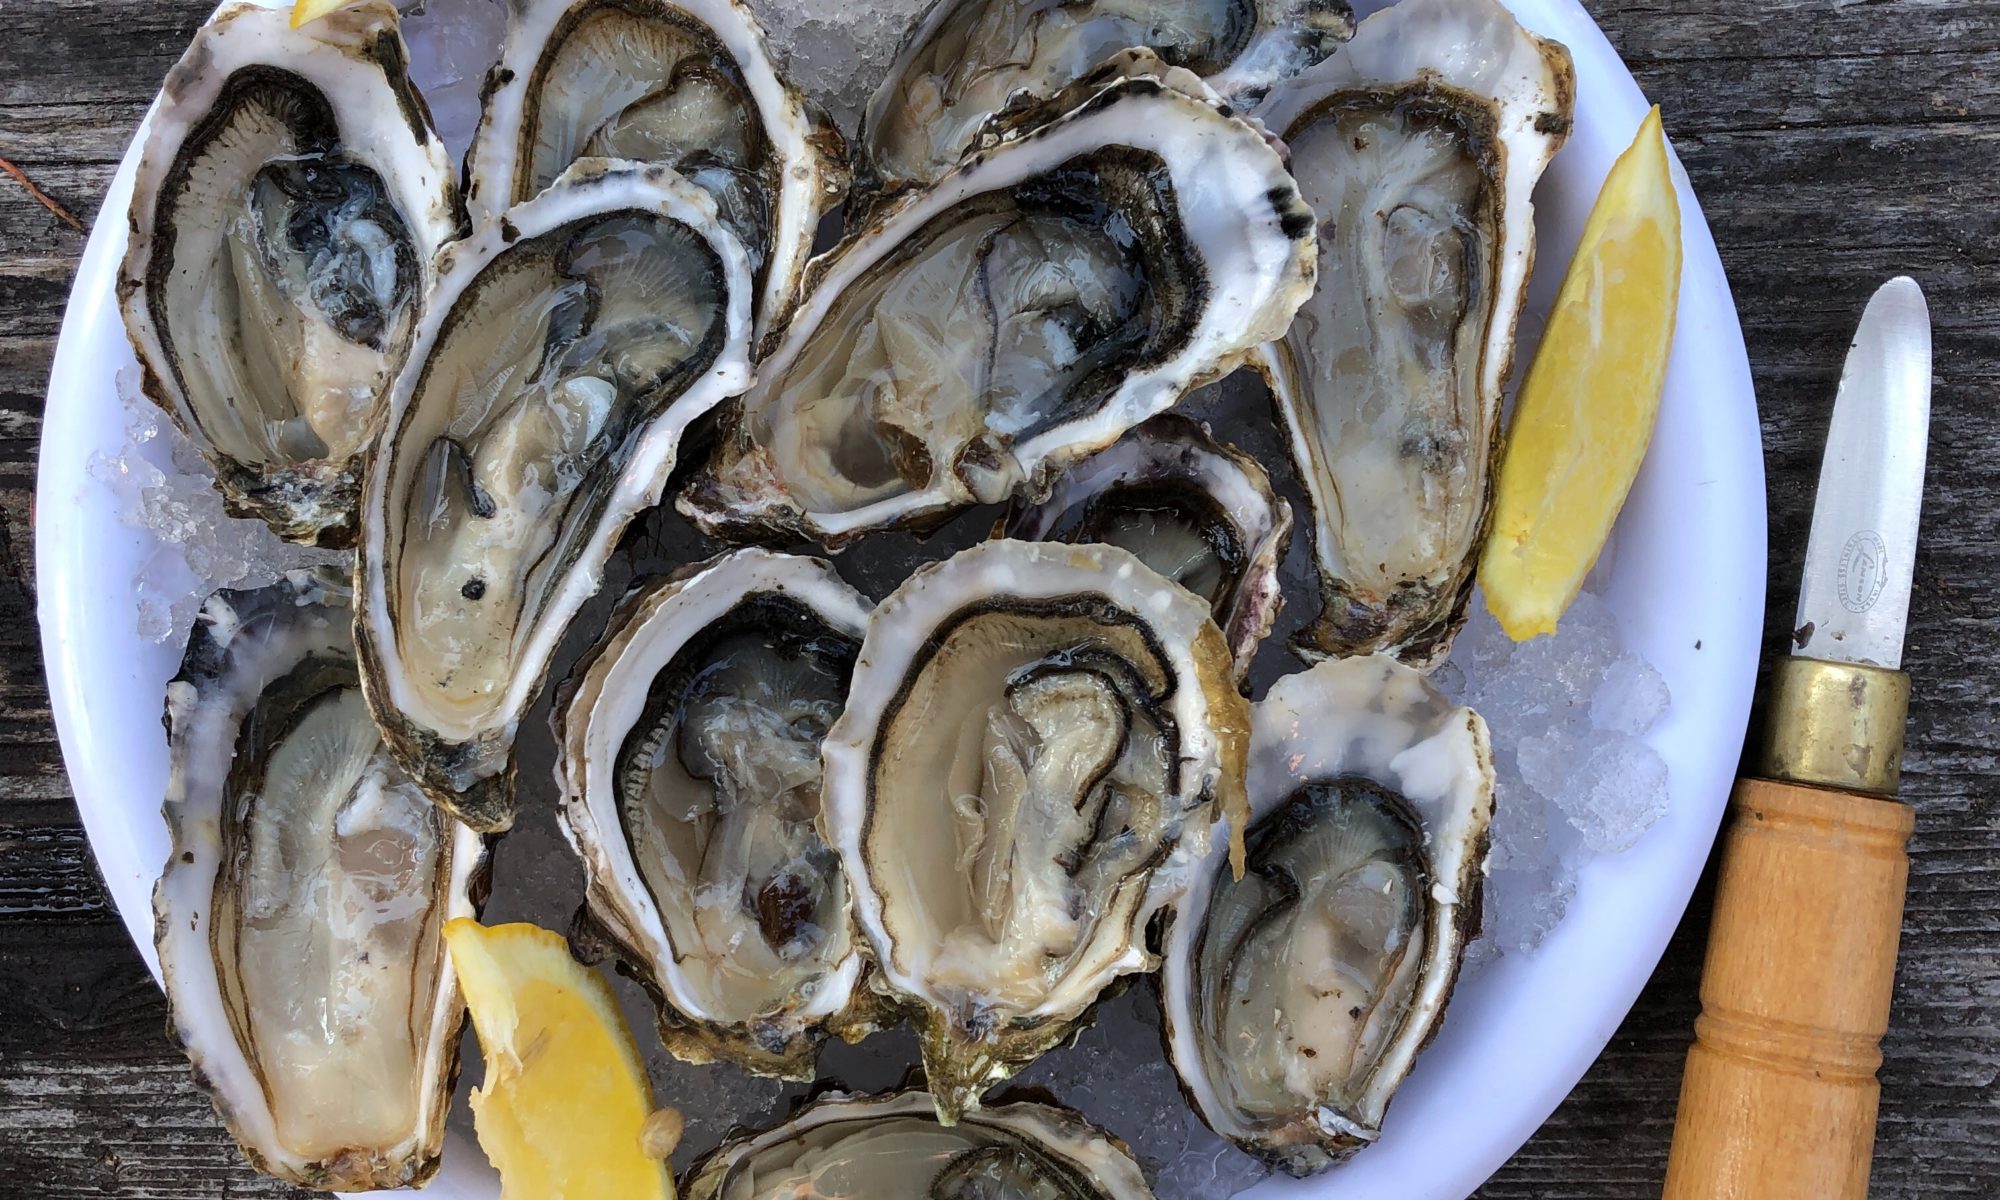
(1045, 1123)
(285, 497)
(487, 802)
(1242, 81)
(1212, 759)
(850, 1010)
(1256, 596)
(1315, 1139)
(810, 159)
(194, 861)
(1214, 345)
(1516, 113)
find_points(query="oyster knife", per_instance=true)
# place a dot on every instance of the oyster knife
(1779, 1097)
(1855, 598)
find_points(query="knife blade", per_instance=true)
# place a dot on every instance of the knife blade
(1855, 598)
(1779, 1096)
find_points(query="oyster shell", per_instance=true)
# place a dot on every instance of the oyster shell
(688, 755)
(1296, 997)
(682, 83)
(939, 361)
(967, 60)
(1421, 142)
(298, 919)
(1037, 740)
(894, 1148)
(1198, 511)
(571, 341)
(284, 214)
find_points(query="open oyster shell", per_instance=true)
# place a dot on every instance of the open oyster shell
(687, 84)
(1036, 743)
(571, 341)
(1419, 144)
(285, 211)
(938, 362)
(1198, 511)
(689, 759)
(1296, 997)
(967, 60)
(894, 1148)
(299, 917)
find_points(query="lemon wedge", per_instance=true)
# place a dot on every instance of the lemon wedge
(565, 1108)
(1585, 412)
(306, 11)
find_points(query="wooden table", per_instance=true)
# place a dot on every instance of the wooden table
(1832, 143)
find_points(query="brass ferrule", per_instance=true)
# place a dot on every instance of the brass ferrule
(1834, 724)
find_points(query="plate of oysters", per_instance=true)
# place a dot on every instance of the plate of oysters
(936, 546)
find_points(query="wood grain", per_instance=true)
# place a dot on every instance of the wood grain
(1780, 1095)
(1833, 143)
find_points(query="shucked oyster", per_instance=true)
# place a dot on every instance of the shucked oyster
(572, 340)
(1044, 297)
(298, 919)
(894, 1148)
(1197, 511)
(1297, 996)
(1037, 740)
(287, 204)
(683, 83)
(967, 60)
(1419, 144)
(688, 749)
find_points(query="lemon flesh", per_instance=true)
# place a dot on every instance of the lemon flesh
(565, 1101)
(306, 11)
(1585, 413)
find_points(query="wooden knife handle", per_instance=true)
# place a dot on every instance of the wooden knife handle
(1779, 1098)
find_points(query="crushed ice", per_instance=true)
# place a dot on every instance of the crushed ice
(452, 42)
(837, 52)
(163, 486)
(1574, 777)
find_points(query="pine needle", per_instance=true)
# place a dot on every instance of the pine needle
(41, 197)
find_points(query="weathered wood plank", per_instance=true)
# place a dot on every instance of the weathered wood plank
(1832, 144)
(92, 1105)
(49, 874)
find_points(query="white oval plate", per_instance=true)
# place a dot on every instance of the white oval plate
(1687, 586)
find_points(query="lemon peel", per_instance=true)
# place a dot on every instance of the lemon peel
(564, 1110)
(1586, 410)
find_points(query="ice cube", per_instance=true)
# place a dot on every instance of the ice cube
(162, 485)
(1619, 790)
(452, 43)
(1631, 698)
(839, 53)
(1572, 778)
(1522, 906)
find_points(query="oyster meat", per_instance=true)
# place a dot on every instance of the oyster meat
(1296, 997)
(285, 211)
(1053, 291)
(688, 752)
(1419, 144)
(1036, 742)
(572, 340)
(967, 60)
(1198, 511)
(683, 83)
(894, 1148)
(299, 917)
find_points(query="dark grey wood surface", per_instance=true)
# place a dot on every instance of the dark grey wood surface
(1832, 144)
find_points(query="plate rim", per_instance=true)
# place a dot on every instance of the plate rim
(73, 586)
